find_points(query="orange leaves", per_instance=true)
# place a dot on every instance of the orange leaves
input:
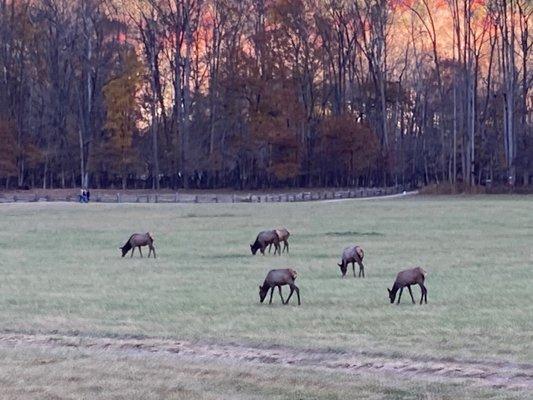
(285, 169)
(8, 149)
(349, 142)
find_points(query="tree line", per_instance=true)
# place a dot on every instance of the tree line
(265, 93)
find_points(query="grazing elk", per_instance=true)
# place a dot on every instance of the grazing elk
(413, 276)
(138, 240)
(352, 255)
(283, 236)
(279, 278)
(264, 239)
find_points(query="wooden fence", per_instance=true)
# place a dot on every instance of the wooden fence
(177, 197)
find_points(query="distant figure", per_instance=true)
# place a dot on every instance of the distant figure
(283, 236)
(352, 255)
(414, 276)
(264, 239)
(138, 240)
(88, 195)
(83, 196)
(279, 278)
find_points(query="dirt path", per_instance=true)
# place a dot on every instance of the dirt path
(495, 374)
(390, 196)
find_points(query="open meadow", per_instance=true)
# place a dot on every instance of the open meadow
(79, 321)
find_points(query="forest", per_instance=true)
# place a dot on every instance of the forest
(250, 94)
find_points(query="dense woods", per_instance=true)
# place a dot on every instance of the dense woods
(265, 93)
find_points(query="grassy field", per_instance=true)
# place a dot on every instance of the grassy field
(61, 273)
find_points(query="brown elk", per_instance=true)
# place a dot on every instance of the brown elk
(264, 239)
(354, 254)
(138, 240)
(279, 278)
(283, 236)
(413, 276)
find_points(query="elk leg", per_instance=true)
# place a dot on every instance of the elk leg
(153, 249)
(271, 294)
(270, 247)
(149, 251)
(353, 267)
(424, 293)
(297, 294)
(280, 295)
(132, 251)
(361, 269)
(294, 288)
(290, 294)
(140, 252)
(411, 293)
(399, 296)
(287, 244)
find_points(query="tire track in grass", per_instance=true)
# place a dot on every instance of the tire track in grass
(495, 374)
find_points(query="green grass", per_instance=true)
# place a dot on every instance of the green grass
(61, 270)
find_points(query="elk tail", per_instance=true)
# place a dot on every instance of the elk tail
(361, 253)
(424, 272)
(293, 273)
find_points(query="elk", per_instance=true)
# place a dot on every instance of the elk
(279, 278)
(264, 239)
(138, 240)
(353, 254)
(283, 236)
(413, 276)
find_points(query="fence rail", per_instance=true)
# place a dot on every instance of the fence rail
(322, 194)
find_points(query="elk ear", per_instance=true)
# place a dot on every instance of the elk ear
(388, 290)
(340, 265)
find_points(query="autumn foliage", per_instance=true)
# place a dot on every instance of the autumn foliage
(256, 93)
(123, 112)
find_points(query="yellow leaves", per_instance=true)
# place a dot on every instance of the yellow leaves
(123, 109)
